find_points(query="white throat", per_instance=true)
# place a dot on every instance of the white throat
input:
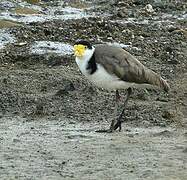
(82, 62)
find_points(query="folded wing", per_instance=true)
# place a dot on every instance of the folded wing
(126, 67)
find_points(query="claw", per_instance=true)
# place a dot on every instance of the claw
(118, 125)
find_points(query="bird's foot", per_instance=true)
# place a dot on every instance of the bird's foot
(114, 126)
(111, 129)
(118, 125)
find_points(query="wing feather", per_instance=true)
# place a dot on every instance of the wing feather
(126, 67)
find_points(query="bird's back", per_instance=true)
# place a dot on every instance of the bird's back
(126, 67)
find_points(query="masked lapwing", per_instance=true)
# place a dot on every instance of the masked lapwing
(112, 68)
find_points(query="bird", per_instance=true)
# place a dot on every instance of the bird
(113, 68)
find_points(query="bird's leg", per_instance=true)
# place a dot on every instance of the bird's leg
(114, 120)
(117, 97)
(118, 123)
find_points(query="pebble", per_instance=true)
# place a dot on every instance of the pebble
(149, 8)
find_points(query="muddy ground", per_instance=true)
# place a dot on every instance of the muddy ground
(49, 112)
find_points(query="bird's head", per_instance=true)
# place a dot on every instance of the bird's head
(83, 49)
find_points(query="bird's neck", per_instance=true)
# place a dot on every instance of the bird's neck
(91, 65)
(88, 55)
(83, 62)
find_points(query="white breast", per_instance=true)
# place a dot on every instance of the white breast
(102, 78)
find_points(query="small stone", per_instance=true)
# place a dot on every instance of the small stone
(70, 87)
(169, 114)
(123, 12)
(171, 28)
(61, 92)
(16, 140)
(39, 109)
(65, 91)
(141, 38)
(149, 8)
(173, 61)
(21, 44)
(109, 38)
(127, 31)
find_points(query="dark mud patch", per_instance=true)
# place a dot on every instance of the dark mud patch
(49, 112)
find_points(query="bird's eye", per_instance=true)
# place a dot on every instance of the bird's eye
(85, 47)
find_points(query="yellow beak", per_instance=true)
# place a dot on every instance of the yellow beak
(79, 50)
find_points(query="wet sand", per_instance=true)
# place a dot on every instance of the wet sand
(49, 112)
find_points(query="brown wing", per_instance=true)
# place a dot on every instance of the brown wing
(125, 66)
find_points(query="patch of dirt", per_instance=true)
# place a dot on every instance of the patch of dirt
(49, 112)
(56, 149)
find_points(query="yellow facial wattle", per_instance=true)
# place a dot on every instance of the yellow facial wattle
(79, 50)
